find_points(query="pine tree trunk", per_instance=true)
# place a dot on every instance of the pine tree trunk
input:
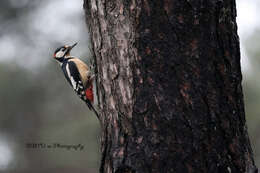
(169, 86)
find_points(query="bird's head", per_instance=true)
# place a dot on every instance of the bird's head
(63, 52)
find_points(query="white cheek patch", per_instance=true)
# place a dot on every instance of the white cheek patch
(60, 54)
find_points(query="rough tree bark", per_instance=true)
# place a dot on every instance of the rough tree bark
(169, 86)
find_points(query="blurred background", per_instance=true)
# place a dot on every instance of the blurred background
(36, 103)
(38, 106)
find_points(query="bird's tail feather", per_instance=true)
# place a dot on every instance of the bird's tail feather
(91, 107)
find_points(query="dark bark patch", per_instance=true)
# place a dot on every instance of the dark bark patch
(180, 19)
(189, 168)
(161, 35)
(125, 169)
(146, 121)
(147, 8)
(234, 147)
(222, 69)
(148, 51)
(154, 126)
(168, 6)
(196, 22)
(184, 92)
(121, 152)
(140, 140)
(150, 80)
(122, 140)
(194, 45)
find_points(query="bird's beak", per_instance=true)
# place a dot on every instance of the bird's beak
(71, 47)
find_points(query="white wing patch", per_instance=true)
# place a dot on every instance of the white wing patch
(78, 87)
(73, 82)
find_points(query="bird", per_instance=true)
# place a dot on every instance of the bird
(77, 73)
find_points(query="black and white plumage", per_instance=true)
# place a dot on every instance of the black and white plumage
(77, 74)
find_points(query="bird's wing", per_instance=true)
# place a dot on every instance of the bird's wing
(83, 70)
(72, 74)
(74, 78)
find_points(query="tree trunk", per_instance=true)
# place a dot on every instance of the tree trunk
(169, 86)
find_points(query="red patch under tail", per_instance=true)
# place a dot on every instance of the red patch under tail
(90, 94)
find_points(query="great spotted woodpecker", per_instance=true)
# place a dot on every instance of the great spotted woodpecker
(77, 73)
